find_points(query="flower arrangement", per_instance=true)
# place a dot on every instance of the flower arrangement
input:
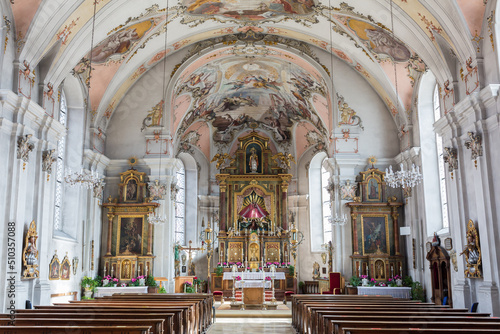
(397, 277)
(123, 285)
(391, 282)
(382, 284)
(372, 282)
(363, 276)
(268, 278)
(238, 278)
(238, 264)
(196, 281)
(188, 287)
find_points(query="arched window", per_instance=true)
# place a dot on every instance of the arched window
(442, 175)
(326, 200)
(180, 207)
(61, 149)
(319, 203)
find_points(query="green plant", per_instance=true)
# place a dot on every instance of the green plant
(392, 282)
(219, 270)
(88, 282)
(98, 281)
(162, 290)
(355, 281)
(372, 282)
(417, 291)
(407, 281)
(291, 270)
(150, 281)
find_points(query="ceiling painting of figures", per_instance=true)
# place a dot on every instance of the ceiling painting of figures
(234, 93)
(249, 10)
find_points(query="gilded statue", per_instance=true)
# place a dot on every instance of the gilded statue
(253, 161)
(472, 252)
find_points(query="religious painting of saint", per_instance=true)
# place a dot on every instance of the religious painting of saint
(253, 154)
(131, 191)
(375, 234)
(54, 268)
(373, 190)
(130, 235)
(65, 269)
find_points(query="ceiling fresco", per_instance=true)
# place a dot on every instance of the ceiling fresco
(233, 93)
(246, 10)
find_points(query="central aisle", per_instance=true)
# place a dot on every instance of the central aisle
(252, 325)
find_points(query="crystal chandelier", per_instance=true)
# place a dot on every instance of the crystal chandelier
(87, 180)
(403, 178)
(337, 220)
(156, 219)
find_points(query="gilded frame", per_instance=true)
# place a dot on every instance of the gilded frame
(55, 268)
(273, 244)
(369, 189)
(386, 232)
(126, 188)
(119, 235)
(65, 265)
(238, 257)
(272, 214)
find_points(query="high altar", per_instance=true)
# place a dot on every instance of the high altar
(253, 210)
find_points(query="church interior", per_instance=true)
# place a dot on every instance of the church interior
(252, 151)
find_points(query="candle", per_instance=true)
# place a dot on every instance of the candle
(104, 270)
(400, 271)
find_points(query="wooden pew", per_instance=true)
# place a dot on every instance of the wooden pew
(416, 331)
(328, 320)
(341, 324)
(156, 325)
(74, 329)
(181, 322)
(168, 324)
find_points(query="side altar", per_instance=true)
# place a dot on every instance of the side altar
(129, 242)
(253, 210)
(375, 226)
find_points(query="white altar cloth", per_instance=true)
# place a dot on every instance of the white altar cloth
(108, 291)
(252, 284)
(279, 275)
(396, 292)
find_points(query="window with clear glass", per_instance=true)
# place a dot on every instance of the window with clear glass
(326, 210)
(180, 207)
(442, 174)
(61, 148)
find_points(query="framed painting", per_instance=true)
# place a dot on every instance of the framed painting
(130, 235)
(65, 268)
(375, 233)
(373, 190)
(55, 268)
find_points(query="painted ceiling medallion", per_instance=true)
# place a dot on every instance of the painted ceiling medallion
(248, 11)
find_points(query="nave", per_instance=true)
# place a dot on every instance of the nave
(251, 325)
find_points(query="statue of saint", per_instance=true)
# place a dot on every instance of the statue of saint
(253, 161)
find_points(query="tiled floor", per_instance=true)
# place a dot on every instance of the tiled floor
(252, 325)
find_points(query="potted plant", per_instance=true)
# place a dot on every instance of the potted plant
(364, 280)
(398, 280)
(219, 270)
(88, 285)
(151, 284)
(372, 282)
(392, 282)
(188, 287)
(291, 270)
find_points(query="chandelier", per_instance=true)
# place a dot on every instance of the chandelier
(87, 180)
(156, 219)
(403, 178)
(337, 220)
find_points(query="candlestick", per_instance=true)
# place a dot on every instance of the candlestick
(401, 271)
(104, 270)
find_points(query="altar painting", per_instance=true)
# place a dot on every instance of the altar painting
(375, 232)
(130, 232)
(249, 10)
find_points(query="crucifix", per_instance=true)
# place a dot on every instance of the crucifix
(190, 250)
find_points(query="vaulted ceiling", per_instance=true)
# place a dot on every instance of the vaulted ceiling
(237, 54)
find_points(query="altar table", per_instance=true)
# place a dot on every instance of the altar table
(108, 291)
(252, 284)
(279, 275)
(396, 292)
